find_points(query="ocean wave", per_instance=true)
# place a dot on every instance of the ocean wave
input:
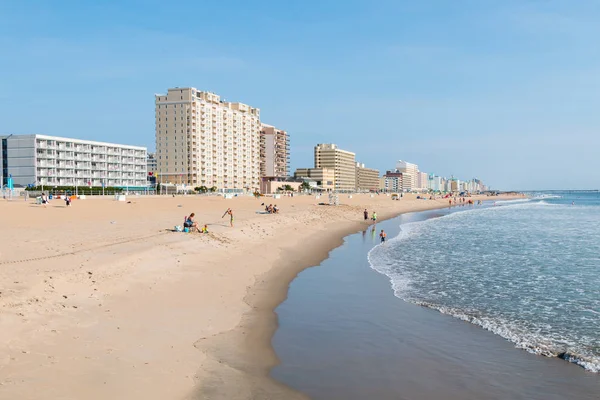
(383, 259)
(530, 342)
(513, 201)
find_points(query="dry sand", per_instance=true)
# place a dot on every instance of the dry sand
(102, 301)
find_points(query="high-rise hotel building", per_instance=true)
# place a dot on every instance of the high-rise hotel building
(409, 175)
(274, 152)
(202, 140)
(342, 162)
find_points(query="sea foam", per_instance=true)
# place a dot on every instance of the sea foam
(525, 271)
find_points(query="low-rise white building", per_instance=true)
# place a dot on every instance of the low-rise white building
(57, 161)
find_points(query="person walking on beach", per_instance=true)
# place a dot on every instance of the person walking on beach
(67, 201)
(366, 214)
(230, 212)
(382, 235)
(374, 218)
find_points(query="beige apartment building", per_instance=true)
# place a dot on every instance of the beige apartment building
(202, 140)
(341, 161)
(274, 152)
(367, 179)
(325, 177)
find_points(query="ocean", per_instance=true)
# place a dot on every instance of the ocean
(528, 271)
(366, 322)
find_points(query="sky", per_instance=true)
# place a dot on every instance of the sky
(507, 91)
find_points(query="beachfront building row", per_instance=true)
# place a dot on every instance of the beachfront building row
(406, 177)
(336, 169)
(441, 184)
(56, 161)
(203, 140)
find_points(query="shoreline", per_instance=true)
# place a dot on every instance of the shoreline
(120, 307)
(353, 338)
(270, 290)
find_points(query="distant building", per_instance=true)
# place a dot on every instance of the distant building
(151, 166)
(448, 185)
(410, 175)
(324, 177)
(57, 161)
(367, 179)
(342, 162)
(274, 152)
(422, 180)
(435, 183)
(393, 181)
(270, 185)
(151, 162)
(454, 185)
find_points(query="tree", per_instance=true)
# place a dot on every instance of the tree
(201, 189)
(304, 186)
(288, 188)
(213, 189)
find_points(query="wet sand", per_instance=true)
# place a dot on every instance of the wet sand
(344, 335)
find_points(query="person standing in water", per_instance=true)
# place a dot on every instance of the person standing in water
(230, 212)
(382, 235)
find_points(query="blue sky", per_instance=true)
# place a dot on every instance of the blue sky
(504, 90)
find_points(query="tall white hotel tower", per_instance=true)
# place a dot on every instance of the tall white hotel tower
(204, 141)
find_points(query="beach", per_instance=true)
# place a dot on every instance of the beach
(102, 300)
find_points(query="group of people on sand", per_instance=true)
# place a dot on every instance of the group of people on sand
(272, 209)
(45, 199)
(462, 201)
(192, 225)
